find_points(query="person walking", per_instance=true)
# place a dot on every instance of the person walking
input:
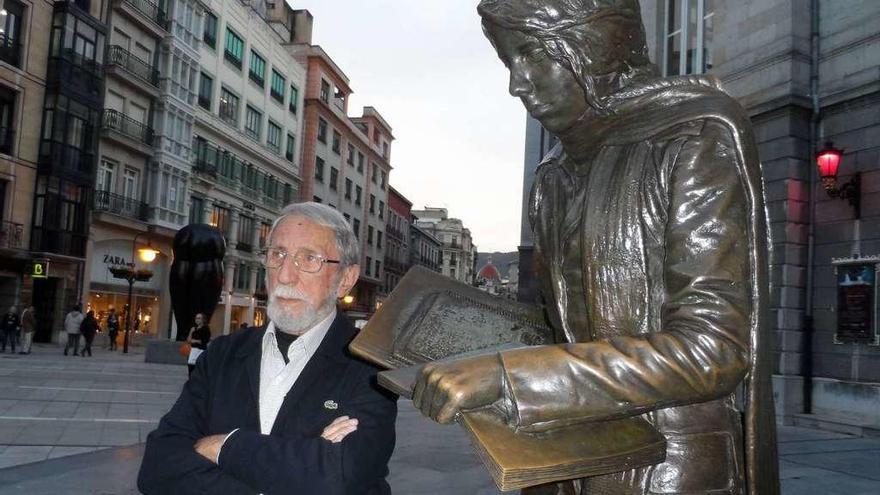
(112, 328)
(10, 329)
(72, 322)
(88, 328)
(28, 326)
(199, 336)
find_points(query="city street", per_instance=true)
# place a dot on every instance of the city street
(77, 425)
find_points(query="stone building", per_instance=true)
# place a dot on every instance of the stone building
(424, 249)
(806, 72)
(459, 254)
(397, 250)
(246, 139)
(346, 161)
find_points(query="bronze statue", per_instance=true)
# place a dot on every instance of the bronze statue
(651, 237)
(196, 277)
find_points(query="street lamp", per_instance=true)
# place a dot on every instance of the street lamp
(828, 160)
(130, 274)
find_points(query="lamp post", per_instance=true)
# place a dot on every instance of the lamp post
(131, 275)
(828, 160)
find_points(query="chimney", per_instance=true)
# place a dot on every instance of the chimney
(302, 27)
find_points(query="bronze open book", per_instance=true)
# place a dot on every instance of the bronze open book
(430, 317)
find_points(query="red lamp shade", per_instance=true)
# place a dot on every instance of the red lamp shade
(828, 160)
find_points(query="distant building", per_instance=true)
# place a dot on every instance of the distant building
(397, 249)
(459, 253)
(489, 278)
(424, 248)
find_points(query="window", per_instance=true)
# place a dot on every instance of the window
(689, 37)
(291, 146)
(369, 265)
(322, 130)
(348, 185)
(316, 199)
(319, 169)
(374, 174)
(381, 209)
(276, 89)
(452, 273)
(242, 277)
(206, 91)
(379, 239)
(356, 226)
(372, 203)
(273, 137)
(385, 150)
(325, 91)
(294, 99)
(253, 121)
(357, 196)
(210, 34)
(220, 219)
(384, 179)
(453, 259)
(257, 72)
(228, 107)
(11, 37)
(234, 48)
(350, 159)
(130, 183)
(196, 210)
(245, 233)
(347, 217)
(334, 177)
(265, 228)
(7, 121)
(360, 162)
(370, 235)
(106, 172)
(378, 268)
(337, 140)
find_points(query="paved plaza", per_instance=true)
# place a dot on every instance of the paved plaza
(76, 425)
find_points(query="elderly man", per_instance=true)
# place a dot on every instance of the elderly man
(283, 408)
(650, 231)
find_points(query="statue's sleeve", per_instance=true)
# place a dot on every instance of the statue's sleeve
(701, 350)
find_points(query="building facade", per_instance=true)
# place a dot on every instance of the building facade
(424, 248)
(806, 73)
(397, 252)
(246, 142)
(459, 254)
(346, 162)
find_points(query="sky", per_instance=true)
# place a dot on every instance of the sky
(427, 68)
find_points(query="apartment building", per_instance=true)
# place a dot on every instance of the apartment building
(247, 142)
(24, 51)
(397, 251)
(424, 248)
(459, 254)
(346, 161)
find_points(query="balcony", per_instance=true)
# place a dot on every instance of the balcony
(10, 235)
(393, 265)
(145, 10)
(7, 140)
(10, 50)
(59, 241)
(121, 205)
(143, 72)
(57, 158)
(244, 246)
(118, 123)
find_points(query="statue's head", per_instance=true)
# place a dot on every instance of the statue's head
(573, 52)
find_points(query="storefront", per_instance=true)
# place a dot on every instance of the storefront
(150, 301)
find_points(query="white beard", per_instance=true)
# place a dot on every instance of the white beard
(296, 321)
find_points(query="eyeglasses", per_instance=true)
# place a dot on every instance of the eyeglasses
(303, 259)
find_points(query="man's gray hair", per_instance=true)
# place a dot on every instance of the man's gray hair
(346, 242)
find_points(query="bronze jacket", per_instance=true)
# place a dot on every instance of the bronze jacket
(652, 241)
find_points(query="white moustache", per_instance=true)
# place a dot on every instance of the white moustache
(288, 292)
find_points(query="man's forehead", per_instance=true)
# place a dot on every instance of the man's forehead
(298, 231)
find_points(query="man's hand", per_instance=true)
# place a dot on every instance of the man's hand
(209, 447)
(444, 389)
(336, 431)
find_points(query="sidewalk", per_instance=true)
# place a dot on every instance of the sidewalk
(76, 425)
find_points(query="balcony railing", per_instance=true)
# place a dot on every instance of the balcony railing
(121, 205)
(395, 266)
(59, 241)
(7, 139)
(10, 50)
(149, 9)
(119, 122)
(116, 55)
(10, 235)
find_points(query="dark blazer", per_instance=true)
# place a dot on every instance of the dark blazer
(223, 394)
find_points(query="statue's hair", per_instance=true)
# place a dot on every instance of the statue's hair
(346, 242)
(590, 37)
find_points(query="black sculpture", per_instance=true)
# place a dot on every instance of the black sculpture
(196, 274)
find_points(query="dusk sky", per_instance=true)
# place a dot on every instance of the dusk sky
(427, 68)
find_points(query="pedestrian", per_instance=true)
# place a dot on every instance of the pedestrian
(71, 325)
(199, 336)
(88, 328)
(9, 330)
(112, 328)
(28, 326)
